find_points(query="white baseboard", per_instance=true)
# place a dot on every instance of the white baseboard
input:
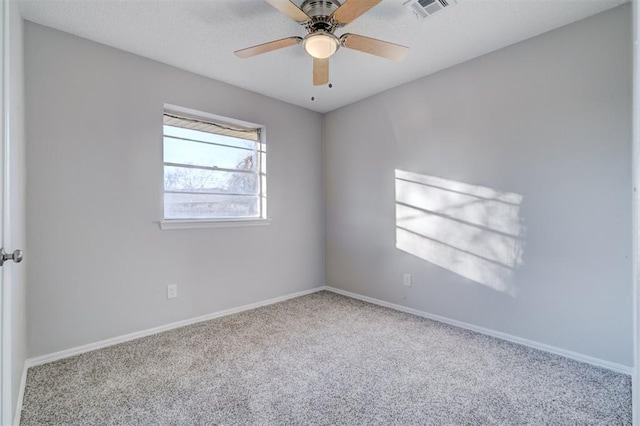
(635, 394)
(23, 384)
(44, 359)
(132, 336)
(504, 336)
(635, 397)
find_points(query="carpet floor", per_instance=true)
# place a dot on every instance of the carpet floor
(323, 359)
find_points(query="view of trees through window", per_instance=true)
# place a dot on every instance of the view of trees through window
(210, 176)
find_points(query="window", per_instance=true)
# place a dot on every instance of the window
(214, 168)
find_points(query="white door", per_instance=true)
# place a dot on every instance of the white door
(12, 210)
(4, 277)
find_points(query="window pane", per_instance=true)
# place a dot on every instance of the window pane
(201, 180)
(207, 137)
(209, 206)
(204, 154)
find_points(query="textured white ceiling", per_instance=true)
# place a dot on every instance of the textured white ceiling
(201, 35)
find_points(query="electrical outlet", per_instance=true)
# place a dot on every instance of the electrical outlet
(407, 280)
(172, 291)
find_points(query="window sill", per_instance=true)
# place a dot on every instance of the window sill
(211, 223)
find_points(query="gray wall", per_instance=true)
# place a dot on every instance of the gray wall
(99, 264)
(514, 203)
(502, 185)
(16, 287)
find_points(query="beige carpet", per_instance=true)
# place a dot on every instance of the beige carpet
(323, 359)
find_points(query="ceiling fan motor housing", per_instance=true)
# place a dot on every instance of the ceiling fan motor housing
(320, 13)
(315, 8)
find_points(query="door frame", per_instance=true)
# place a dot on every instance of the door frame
(635, 148)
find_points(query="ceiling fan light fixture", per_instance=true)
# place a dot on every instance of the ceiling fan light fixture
(321, 44)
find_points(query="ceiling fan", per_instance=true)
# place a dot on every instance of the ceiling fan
(321, 18)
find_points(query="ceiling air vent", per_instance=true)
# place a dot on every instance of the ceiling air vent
(425, 8)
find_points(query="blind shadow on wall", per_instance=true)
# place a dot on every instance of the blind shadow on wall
(470, 230)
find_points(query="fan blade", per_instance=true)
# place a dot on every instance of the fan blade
(290, 9)
(267, 47)
(351, 9)
(320, 71)
(384, 49)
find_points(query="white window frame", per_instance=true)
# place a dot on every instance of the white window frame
(170, 224)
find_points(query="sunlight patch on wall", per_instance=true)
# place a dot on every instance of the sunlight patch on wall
(471, 230)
